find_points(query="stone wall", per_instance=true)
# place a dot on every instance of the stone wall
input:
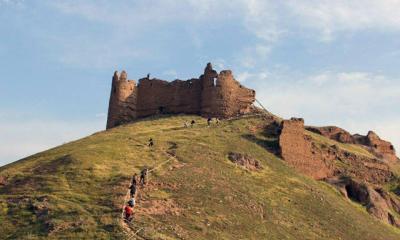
(157, 96)
(211, 95)
(296, 150)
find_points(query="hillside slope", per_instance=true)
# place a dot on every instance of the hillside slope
(77, 190)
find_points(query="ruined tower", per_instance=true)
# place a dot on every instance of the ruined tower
(123, 97)
(211, 95)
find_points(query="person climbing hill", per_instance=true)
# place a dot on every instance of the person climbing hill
(143, 176)
(151, 143)
(132, 202)
(192, 123)
(134, 179)
(132, 187)
(209, 121)
(128, 210)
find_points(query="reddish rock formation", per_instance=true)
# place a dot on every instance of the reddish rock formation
(212, 95)
(377, 201)
(348, 164)
(334, 133)
(296, 150)
(380, 148)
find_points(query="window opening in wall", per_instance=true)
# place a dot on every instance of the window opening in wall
(215, 81)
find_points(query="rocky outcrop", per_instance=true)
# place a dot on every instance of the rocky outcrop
(377, 201)
(371, 170)
(244, 160)
(380, 148)
(212, 95)
(334, 133)
(296, 150)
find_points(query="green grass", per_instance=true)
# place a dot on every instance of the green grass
(85, 182)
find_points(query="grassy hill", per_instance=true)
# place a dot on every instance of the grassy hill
(76, 190)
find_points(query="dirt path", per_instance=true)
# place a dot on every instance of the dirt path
(127, 227)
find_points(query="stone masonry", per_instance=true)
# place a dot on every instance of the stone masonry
(296, 150)
(211, 95)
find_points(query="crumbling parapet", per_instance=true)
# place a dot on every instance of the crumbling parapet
(211, 95)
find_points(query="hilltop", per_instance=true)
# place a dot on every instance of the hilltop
(197, 190)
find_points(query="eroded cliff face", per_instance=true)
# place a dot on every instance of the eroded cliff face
(211, 95)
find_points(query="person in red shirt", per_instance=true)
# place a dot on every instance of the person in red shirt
(128, 213)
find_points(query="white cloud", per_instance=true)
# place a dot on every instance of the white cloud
(244, 76)
(262, 18)
(23, 138)
(330, 17)
(267, 20)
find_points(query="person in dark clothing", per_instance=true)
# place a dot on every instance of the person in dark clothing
(192, 123)
(132, 202)
(143, 176)
(132, 190)
(209, 121)
(151, 143)
(134, 179)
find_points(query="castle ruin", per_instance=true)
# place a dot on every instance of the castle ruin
(211, 95)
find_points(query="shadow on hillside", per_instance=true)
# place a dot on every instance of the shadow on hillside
(271, 145)
(269, 138)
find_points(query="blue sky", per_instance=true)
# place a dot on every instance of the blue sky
(330, 62)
